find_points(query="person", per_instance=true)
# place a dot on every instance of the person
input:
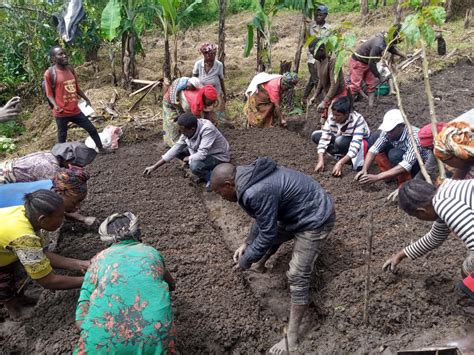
(363, 63)
(450, 207)
(21, 249)
(264, 98)
(343, 136)
(454, 146)
(11, 109)
(185, 95)
(202, 145)
(44, 165)
(393, 151)
(124, 306)
(286, 204)
(62, 90)
(210, 71)
(70, 184)
(333, 85)
(317, 28)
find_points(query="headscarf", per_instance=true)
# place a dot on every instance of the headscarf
(72, 180)
(126, 233)
(289, 79)
(425, 134)
(208, 48)
(197, 105)
(456, 140)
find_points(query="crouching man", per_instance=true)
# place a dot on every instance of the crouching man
(286, 204)
(201, 145)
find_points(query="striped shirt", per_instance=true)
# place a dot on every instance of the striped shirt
(404, 144)
(454, 205)
(355, 127)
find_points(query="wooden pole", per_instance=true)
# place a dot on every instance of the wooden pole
(299, 49)
(426, 79)
(367, 277)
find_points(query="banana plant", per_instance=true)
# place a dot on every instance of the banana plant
(125, 19)
(172, 17)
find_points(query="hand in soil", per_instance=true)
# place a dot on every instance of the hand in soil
(239, 252)
(359, 175)
(368, 179)
(148, 170)
(337, 170)
(392, 263)
(319, 168)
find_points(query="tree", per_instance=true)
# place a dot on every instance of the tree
(124, 19)
(221, 42)
(172, 19)
(364, 7)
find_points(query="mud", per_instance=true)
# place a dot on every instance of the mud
(220, 311)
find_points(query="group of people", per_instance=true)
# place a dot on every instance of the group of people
(124, 303)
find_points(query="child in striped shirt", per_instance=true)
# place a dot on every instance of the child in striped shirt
(343, 135)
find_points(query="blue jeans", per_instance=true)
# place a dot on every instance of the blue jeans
(203, 168)
(338, 145)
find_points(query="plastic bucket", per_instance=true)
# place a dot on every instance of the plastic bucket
(382, 90)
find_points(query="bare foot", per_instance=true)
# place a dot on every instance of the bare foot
(260, 268)
(280, 347)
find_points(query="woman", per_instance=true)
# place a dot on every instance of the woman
(124, 306)
(185, 95)
(451, 207)
(70, 184)
(21, 249)
(454, 146)
(44, 165)
(264, 98)
(211, 72)
(342, 135)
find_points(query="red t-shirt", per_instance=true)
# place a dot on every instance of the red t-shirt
(65, 92)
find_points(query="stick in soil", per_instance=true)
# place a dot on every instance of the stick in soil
(367, 278)
(285, 334)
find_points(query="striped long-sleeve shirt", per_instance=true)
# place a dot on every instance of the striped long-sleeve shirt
(355, 127)
(454, 205)
(404, 144)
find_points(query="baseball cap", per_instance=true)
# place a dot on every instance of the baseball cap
(323, 9)
(391, 119)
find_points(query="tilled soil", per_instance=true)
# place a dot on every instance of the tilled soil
(220, 311)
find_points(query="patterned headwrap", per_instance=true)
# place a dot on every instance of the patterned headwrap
(208, 48)
(456, 140)
(425, 134)
(132, 231)
(72, 181)
(289, 79)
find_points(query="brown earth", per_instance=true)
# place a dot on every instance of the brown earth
(221, 311)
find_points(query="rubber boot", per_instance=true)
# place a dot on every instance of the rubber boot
(382, 161)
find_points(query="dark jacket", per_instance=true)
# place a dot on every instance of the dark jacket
(272, 194)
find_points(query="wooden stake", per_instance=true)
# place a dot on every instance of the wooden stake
(285, 334)
(367, 277)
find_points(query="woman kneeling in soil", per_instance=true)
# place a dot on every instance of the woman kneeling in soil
(342, 135)
(124, 306)
(70, 184)
(264, 98)
(22, 250)
(44, 165)
(451, 207)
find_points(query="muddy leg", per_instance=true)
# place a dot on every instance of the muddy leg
(297, 311)
(371, 98)
(13, 307)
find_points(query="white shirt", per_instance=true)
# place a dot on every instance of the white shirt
(212, 77)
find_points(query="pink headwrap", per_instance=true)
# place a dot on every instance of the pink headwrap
(426, 135)
(197, 101)
(208, 48)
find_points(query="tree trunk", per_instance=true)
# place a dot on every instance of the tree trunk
(299, 49)
(167, 60)
(128, 59)
(384, 2)
(364, 7)
(260, 46)
(176, 72)
(449, 9)
(467, 18)
(398, 13)
(221, 42)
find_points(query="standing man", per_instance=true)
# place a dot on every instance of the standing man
(286, 204)
(317, 28)
(62, 90)
(363, 63)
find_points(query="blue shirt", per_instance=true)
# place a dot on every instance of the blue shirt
(12, 194)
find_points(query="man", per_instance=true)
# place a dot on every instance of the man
(334, 87)
(286, 204)
(317, 28)
(363, 63)
(201, 144)
(62, 90)
(393, 151)
(11, 109)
